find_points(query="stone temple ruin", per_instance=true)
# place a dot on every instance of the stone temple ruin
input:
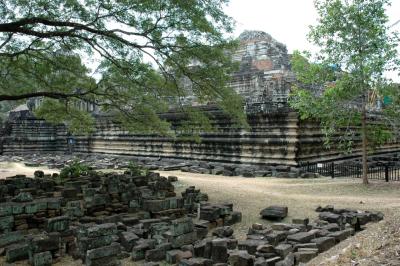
(277, 135)
(101, 219)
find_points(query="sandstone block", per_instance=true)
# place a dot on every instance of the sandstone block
(17, 252)
(57, 224)
(304, 256)
(283, 249)
(240, 258)
(302, 237)
(42, 259)
(219, 252)
(324, 243)
(196, 262)
(274, 212)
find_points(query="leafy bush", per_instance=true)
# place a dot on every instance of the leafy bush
(136, 170)
(75, 169)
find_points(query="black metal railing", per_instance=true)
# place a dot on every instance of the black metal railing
(387, 171)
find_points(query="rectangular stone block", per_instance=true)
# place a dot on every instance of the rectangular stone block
(102, 230)
(5, 209)
(98, 200)
(17, 208)
(86, 243)
(41, 204)
(17, 252)
(6, 223)
(156, 205)
(134, 204)
(54, 203)
(196, 262)
(302, 237)
(57, 224)
(148, 222)
(233, 218)
(181, 226)
(341, 235)
(304, 256)
(324, 243)
(275, 237)
(31, 207)
(10, 237)
(250, 245)
(209, 213)
(178, 241)
(138, 251)
(45, 242)
(175, 256)
(104, 261)
(128, 240)
(42, 259)
(112, 250)
(283, 249)
(157, 254)
(274, 212)
(175, 203)
(219, 252)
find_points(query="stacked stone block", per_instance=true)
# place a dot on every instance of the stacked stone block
(219, 214)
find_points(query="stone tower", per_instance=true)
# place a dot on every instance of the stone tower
(264, 76)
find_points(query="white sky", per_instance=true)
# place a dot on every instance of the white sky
(287, 20)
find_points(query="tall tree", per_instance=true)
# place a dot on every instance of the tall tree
(345, 84)
(146, 48)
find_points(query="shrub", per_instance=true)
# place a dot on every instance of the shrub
(136, 170)
(75, 169)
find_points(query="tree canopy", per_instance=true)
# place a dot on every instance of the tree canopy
(149, 55)
(344, 85)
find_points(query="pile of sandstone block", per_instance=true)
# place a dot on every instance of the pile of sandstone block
(100, 218)
(278, 244)
(283, 244)
(101, 161)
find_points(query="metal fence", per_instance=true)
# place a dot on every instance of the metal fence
(387, 171)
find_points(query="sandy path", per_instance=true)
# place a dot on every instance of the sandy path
(11, 168)
(302, 196)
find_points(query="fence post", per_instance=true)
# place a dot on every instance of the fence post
(333, 169)
(308, 166)
(386, 173)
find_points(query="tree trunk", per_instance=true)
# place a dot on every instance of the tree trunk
(364, 144)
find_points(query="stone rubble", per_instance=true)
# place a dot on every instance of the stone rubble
(101, 218)
(98, 161)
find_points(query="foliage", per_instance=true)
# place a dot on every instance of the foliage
(149, 55)
(74, 170)
(136, 170)
(344, 85)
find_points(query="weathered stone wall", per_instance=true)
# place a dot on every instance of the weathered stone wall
(276, 138)
(272, 140)
(312, 148)
(26, 134)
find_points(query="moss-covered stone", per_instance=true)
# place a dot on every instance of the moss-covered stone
(17, 252)
(10, 237)
(42, 259)
(6, 223)
(58, 224)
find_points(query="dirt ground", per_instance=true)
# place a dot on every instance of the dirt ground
(12, 168)
(379, 244)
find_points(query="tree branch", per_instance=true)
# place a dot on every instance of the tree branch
(53, 95)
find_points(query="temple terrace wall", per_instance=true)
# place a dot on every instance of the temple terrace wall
(276, 138)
